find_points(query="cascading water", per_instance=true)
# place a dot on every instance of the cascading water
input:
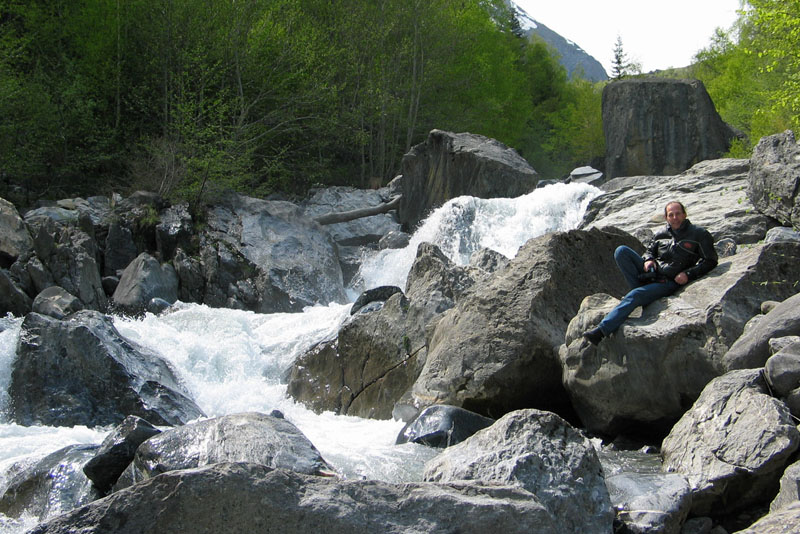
(234, 361)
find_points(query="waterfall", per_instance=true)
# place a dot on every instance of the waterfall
(234, 361)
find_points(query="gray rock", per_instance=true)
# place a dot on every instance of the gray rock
(56, 302)
(714, 193)
(117, 451)
(119, 248)
(68, 257)
(110, 284)
(442, 426)
(394, 239)
(782, 370)
(267, 256)
(376, 356)
(246, 437)
(14, 236)
(191, 284)
(361, 231)
(381, 294)
(493, 352)
(783, 521)
(143, 280)
(752, 349)
(732, 445)
(175, 230)
(775, 178)
(50, 486)
(12, 298)
(650, 502)
(448, 165)
(544, 455)
(245, 497)
(697, 525)
(81, 371)
(789, 492)
(659, 126)
(781, 233)
(655, 366)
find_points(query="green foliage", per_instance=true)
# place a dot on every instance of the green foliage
(192, 97)
(751, 70)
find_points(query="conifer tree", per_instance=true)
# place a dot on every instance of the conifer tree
(620, 63)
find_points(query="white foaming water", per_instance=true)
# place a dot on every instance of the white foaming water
(234, 361)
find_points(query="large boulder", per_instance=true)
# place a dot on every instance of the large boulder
(494, 352)
(752, 348)
(654, 367)
(117, 451)
(376, 356)
(56, 302)
(14, 236)
(714, 193)
(774, 182)
(733, 444)
(67, 252)
(243, 497)
(267, 256)
(142, 280)
(659, 126)
(81, 371)
(50, 486)
(544, 455)
(449, 165)
(246, 437)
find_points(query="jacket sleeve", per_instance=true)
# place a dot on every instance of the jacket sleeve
(708, 257)
(651, 252)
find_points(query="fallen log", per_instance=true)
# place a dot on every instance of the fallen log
(344, 216)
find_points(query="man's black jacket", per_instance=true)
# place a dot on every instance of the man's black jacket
(688, 249)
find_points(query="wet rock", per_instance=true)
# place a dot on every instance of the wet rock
(442, 426)
(81, 371)
(56, 302)
(247, 438)
(541, 453)
(50, 486)
(243, 497)
(649, 502)
(117, 451)
(143, 280)
(376, 294)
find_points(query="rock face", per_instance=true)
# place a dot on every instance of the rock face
(733, 444)
(448, 165)
(268, 257)
(653, 368)
(81, 371)
(144, 279)
(714, 193)
(493, 352)
(14, 236)
(774, 183)
(244, 497)
(543, 454)
(248, 437)
(660, 127)
(752, 349)
(50, 486)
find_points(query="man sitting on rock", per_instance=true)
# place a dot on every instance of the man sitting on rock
(678, 254)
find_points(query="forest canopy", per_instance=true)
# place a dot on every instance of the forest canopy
(266, 96)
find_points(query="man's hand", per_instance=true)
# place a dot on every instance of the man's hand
(681, 279)
(649, 265)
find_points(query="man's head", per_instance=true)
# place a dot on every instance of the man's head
(675, 213)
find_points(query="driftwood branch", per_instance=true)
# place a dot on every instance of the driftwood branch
(344, 216)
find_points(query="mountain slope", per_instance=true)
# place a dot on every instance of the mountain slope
(573, 57)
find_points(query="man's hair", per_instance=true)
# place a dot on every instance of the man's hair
(683, 208)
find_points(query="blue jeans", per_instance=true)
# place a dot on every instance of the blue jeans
(632, 265)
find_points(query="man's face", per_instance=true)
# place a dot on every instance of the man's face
(675, 216)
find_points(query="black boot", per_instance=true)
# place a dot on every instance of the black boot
(594, 335)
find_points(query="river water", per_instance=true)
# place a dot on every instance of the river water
(234, 361)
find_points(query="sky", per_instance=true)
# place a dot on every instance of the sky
(658, 34)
